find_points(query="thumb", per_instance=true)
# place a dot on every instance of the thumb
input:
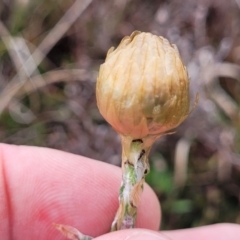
(134, 234)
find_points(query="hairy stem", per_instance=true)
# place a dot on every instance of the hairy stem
(135, 166)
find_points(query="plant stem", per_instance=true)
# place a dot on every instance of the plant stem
(135, 166)
(71, 232)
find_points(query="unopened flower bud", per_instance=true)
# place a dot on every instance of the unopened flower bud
(143, 86)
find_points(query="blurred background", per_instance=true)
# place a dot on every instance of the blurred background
(50, 52)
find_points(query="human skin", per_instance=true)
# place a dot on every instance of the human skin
(40, 186)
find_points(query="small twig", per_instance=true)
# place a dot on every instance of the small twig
(53, 77)
(181, 162)
(60, 28)
(211, 75)
(12, 45)
(19, 53)
(71, 232)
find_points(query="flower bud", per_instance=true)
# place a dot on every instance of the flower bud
(143, 86)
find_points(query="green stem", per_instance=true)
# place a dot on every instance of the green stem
(135, 166)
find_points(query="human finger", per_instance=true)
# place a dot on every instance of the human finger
(223, 231)
(40, 186)
(212, 232)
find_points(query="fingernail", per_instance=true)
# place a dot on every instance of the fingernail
(143, 235)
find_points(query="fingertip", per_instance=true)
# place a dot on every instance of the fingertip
(134, 234)
(69, 189)
(220, 231)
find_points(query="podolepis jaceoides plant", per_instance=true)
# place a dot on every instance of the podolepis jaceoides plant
(143, 93)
